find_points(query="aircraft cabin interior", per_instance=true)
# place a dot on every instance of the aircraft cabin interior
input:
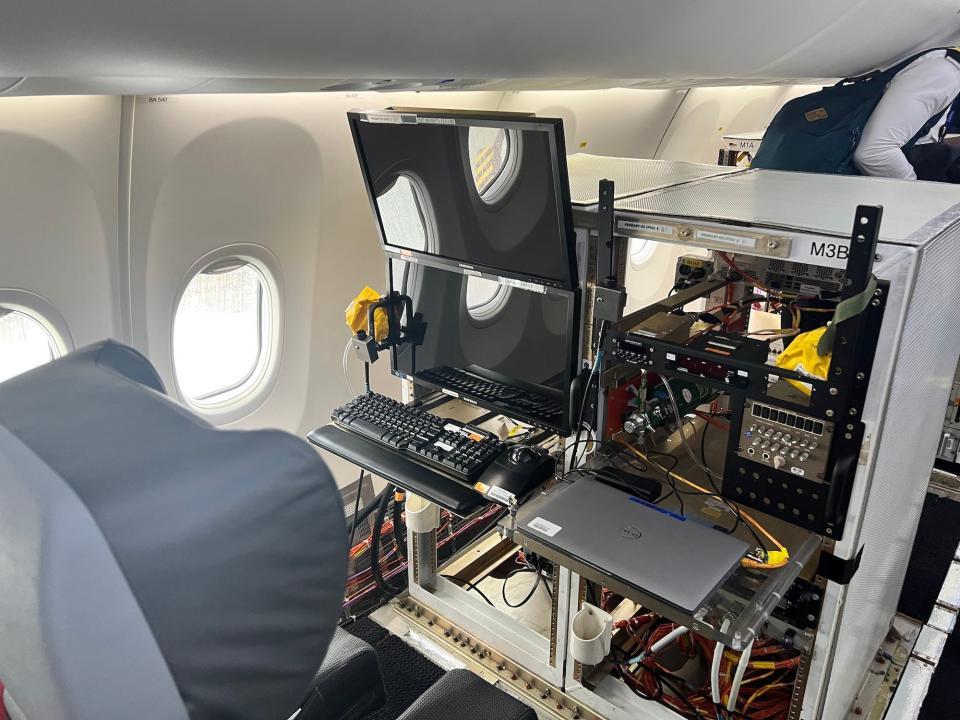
(479, 361)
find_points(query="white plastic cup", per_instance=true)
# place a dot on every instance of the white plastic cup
(590, 634)
(422, 516)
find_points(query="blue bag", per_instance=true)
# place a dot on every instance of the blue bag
(819, 132)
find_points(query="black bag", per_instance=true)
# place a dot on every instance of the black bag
(819, 132)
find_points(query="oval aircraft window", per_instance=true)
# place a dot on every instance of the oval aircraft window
(485, 298)
(404, 216)
(222, 332)
(494, 159)
(25, 343)
(640, 251)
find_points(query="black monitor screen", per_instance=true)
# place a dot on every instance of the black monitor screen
(503, 346)
(490, 193)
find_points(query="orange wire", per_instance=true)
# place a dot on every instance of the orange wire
(746, 516)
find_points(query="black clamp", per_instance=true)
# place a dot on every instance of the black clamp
(395, 305)
(837, 569)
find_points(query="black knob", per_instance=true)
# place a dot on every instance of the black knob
(522, 454)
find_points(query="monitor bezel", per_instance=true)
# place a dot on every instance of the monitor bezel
(507, 121)
(571, 351)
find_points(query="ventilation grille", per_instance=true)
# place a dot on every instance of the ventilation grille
(788, 276)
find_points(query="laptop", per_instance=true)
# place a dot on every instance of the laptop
(660, 552)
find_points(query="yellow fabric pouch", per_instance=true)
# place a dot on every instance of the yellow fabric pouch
(802, 357)
(356, 314)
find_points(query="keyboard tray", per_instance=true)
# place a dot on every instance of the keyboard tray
(399, 470)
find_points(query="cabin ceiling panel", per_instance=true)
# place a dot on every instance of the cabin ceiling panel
(683, 42)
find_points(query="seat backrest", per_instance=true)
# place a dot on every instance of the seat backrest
(73, 641)
(231, 544)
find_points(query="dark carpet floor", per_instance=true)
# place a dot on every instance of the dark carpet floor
(937, 540)
(933, 551)
(406, 673)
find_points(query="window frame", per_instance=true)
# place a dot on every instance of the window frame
(490, 310)
(640, 256)
(499, 188)
(410, 270)
(44, 313)
(243, 397)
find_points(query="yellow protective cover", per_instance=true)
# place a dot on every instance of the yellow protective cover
(802, 357)
(356, 314)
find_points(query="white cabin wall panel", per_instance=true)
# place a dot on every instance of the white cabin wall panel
(617, 123)
(58, 204)
(241, 177)
(707, 114)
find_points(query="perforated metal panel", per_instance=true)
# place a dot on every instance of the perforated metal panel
(821, 204)
(631, 175)
(924, 367)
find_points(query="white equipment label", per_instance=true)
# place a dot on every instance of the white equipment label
(501, 495)
(544, 526)
(436, 121)
(646, 227)
(391, 118)
(726, 238)
(522, 284)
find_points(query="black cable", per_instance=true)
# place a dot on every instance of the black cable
(703, 457)
(625, 672)
(366, 378)
(470, 586)
(586, 394)
(356, 511)
(399, 534)
(366, 512)
(378, 578)
(662, 677)
(536, 584)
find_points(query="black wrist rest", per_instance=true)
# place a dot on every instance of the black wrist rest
(398, 469)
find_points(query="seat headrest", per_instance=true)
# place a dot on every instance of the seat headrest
(233, 543)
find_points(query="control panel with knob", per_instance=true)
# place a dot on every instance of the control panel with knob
(785, 440)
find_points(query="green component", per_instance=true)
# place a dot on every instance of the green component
(689, 395)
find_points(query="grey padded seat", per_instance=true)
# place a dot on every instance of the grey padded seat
(462, 695)
(153, 566)
(348, 684)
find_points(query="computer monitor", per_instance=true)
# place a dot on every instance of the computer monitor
(497, 344)
(485, 191)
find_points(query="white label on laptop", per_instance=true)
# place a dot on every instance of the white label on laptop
(443, 446)
(544, 526)
(451, 393)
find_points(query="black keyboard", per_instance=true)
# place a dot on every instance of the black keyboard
(459, 450)
(527, 402)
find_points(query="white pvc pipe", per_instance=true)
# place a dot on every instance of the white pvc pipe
(738, 677)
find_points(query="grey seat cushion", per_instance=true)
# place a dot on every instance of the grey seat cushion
(462, 695)
(233, 543)
(348, 684)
